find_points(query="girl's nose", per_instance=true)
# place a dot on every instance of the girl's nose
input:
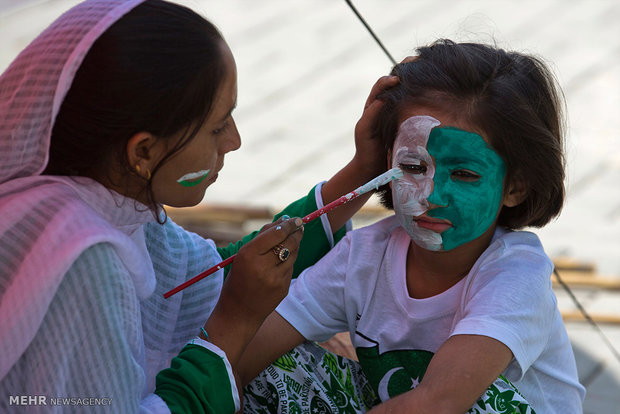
(232, 141)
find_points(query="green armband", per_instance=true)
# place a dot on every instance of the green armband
(198, 381)
(314, 244)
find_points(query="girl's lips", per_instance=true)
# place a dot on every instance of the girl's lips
(436, 225)
(213, 178)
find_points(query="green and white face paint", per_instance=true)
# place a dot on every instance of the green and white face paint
(467, 181)
(192, 179)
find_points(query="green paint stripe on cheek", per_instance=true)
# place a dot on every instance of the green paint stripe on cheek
(193, 179)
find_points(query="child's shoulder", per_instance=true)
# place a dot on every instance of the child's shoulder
(516, 239)
(523, 249)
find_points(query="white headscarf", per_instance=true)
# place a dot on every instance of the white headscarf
(46, 222)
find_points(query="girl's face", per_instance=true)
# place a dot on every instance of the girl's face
(452, 187)
(183, 179)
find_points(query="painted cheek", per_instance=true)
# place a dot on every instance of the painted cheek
(440, 196)
(470, 206)
(193, 179)
(410, 149)
(410, 200)
(473, 215)
(411, 191)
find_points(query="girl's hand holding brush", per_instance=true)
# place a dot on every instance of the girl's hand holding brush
(258, 280)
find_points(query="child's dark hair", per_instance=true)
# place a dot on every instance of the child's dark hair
(156, 70)
(510, 97)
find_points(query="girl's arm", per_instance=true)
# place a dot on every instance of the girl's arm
(368, 162)
(316, 242)
(257, 282)
(274, 338)
(200, 378)
(459, 373)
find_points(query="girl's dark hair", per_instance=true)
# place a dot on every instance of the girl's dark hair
(156, 70)
(511, 98)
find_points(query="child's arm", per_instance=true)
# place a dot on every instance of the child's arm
(459, 373)
(274, 338)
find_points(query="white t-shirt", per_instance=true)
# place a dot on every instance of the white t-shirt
(360, 286)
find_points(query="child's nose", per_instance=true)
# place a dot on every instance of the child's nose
(437, 198)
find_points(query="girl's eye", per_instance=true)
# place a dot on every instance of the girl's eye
(413, 168)
(464, 175)
(218, 131)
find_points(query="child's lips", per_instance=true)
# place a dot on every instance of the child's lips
(433, 224)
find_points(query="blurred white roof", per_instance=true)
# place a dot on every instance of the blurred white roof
(305, 68)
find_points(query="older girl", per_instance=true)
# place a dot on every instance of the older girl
(120, 107)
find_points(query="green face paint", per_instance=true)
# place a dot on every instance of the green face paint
(192, 179)
(467, 184)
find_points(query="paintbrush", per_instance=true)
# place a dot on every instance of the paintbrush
(386, 177)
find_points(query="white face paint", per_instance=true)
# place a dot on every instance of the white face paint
(411, 191)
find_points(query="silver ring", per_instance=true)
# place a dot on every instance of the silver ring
(282, 252)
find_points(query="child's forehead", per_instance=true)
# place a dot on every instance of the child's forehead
(412, 124)
(423, 134)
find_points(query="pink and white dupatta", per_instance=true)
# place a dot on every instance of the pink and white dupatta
(46, 222)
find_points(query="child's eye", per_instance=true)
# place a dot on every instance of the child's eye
(413, 168)
(464, 175)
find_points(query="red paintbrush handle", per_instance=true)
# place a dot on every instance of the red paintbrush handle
(201, 276)
(338, 202)
(374, 184)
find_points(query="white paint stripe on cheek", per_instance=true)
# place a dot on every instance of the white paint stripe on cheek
(410, 199)
(194, 175)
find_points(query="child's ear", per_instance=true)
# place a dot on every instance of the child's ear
(516, 193)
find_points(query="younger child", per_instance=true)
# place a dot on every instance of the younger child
(446, 303)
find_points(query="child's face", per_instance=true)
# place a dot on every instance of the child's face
(451, 192)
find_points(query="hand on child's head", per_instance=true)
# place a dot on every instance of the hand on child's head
(369, 152)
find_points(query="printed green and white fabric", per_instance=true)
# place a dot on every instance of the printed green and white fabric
(360, 287)
(311, 380)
